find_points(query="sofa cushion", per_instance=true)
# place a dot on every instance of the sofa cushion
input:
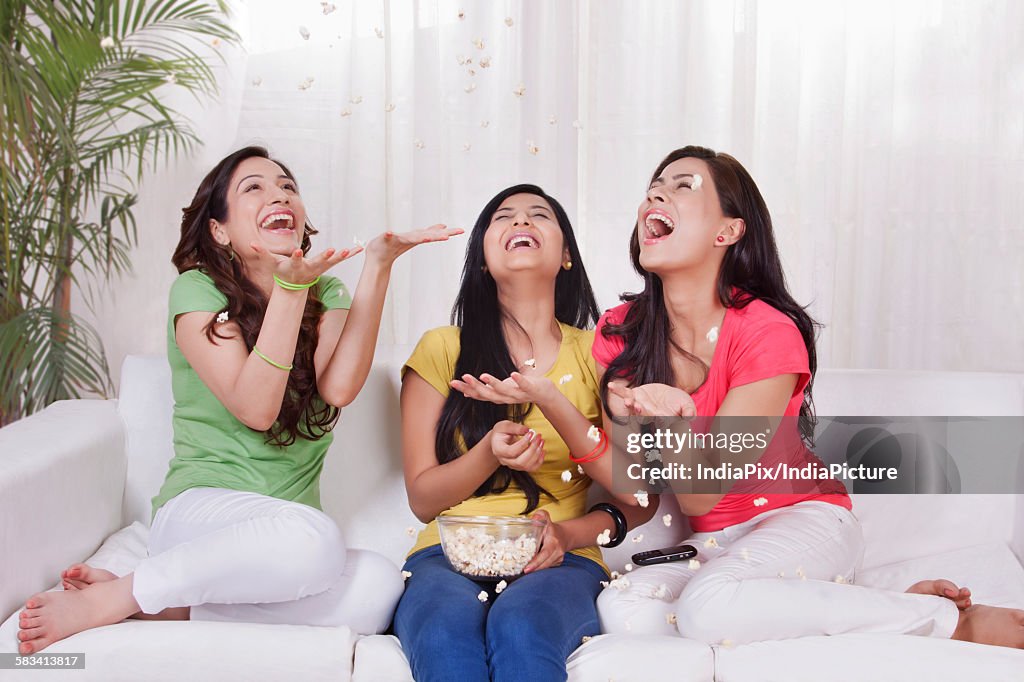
(199, 650)
(855, 658)
(606, 657)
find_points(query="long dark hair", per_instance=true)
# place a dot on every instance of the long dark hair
(751, 265)
(303, 413)
(464, 422)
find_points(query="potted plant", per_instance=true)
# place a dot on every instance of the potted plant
(82, 115)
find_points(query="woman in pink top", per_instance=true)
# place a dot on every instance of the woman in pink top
(715, 333)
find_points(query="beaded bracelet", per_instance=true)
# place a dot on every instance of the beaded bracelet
(295, 287)
(597, 452)
(256, 350)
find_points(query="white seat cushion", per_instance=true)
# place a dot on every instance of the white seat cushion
(195, 650)
(606, 657)
(991, 571)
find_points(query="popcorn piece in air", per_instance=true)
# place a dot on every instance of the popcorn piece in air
(642, 499)
(604, 537)
(500, 587)
(532, 148)
(667, 520)
(327, 7)
(694, 564)
(304, 32)
(470, 88)
(661, 592)
(579, 468)
(712, 335)
(107, 43)
(406, 575)
(478, 43)
(485, 62)
(508, 21)
(638, 538)
(378, 32)
(410, 531)
(594, 434)
(698, 180)
(670, 618)
(760, 502)
(564, 379)
(222, 317)
(519, 90)
(620, 583)
(566, 476)
(482, 596)
(530, 362)
(628, 567)
(711, 542)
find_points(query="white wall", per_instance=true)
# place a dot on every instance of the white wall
(887, 140)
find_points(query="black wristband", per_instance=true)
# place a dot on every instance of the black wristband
(620, 522)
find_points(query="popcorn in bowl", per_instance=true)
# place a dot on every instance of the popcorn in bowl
(490, 547)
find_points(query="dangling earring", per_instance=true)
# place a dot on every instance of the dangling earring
(567, 265)
(231, 251)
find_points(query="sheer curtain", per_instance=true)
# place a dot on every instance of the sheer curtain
(887, 138)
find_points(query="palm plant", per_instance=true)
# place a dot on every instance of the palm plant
(81, 118)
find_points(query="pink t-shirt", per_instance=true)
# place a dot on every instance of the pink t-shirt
(755, 342)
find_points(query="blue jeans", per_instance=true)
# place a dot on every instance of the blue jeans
(525, 633)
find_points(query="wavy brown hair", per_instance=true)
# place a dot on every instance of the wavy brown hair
(303, 414)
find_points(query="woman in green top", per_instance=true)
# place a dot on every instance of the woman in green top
(264, 350)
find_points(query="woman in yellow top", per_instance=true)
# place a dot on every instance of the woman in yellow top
(498, 448)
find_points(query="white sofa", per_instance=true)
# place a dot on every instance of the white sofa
(77, 478)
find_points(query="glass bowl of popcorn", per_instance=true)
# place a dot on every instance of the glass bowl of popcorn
(490, 547)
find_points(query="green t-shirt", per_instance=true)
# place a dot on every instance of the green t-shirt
(212, 448)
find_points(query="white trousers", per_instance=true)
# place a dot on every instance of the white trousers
(785, 573)
(241, 556)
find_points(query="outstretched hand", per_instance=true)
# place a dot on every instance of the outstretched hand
(297, 268)
(649, 400)
(390, 245)
(515, 390)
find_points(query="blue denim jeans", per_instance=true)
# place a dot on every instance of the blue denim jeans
(524, 633)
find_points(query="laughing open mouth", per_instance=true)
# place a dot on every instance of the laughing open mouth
(522, 240)
(658, 225)
(278, 222)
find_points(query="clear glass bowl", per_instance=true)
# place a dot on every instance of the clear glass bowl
(490, 547)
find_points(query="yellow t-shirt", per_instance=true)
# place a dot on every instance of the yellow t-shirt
(434, 360)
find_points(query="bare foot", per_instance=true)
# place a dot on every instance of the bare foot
(78, 576)
(52, 616)
(991, 625)
(961, 596)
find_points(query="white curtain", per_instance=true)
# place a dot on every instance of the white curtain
(887, 138)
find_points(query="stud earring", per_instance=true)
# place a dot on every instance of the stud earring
(567, 265)
(720, 239)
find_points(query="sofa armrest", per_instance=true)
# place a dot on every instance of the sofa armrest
(62, 474)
